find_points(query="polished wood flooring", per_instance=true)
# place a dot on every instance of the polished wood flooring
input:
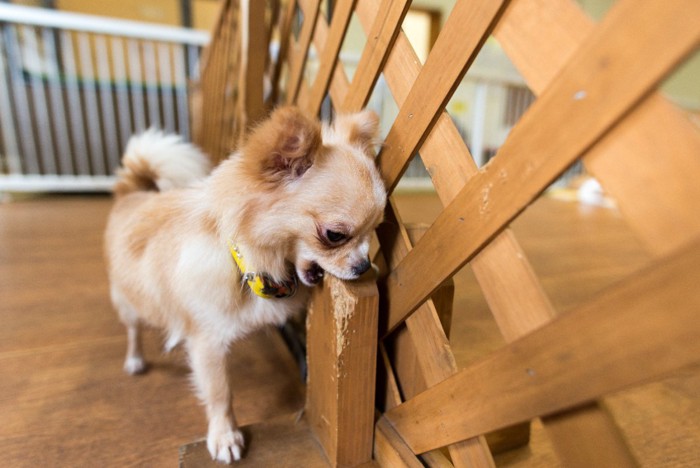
(64, 400)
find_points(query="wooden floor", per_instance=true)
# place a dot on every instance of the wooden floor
(64, 400)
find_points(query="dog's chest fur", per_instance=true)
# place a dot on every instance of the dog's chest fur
(186, 281)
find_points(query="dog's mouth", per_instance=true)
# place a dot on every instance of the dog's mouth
(312, 275)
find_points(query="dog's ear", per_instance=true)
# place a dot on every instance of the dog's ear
(360, 128)
(284, 146)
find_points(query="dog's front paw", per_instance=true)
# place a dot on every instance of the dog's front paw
(226, 446)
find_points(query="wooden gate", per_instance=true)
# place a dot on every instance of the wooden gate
(597, 101)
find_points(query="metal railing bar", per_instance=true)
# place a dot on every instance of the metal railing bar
(136, 88)
(21, 99)
(111, 146)
(57, 103)
(151, 84)
(100, 25)
(121, 87)
(89, 86)
(77, 125)
(46, 156)
(167, 85)
(181, 94)
(7, 124)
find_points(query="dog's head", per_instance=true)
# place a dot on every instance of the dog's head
(318, 194)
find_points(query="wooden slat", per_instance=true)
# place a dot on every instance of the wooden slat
(310, 9)
(441, 362)
(342, 356)
(453, 52)
(511, 288)
(641, 329)
(449, 175)
(583, 437)
(635, 162)
(430, 344)
(220, 57)
(436, 459)
(517, 310)
(434, 354)
(390, 395)
(328, 56)
(540, 147)
(339, 84)
(254, 61)
(386, 27)
(390, 451)
(637, 175)
(285, 30)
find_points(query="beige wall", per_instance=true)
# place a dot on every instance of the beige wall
(152, 11)
(167, 12)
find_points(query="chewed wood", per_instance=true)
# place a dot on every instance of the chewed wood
(342, 357)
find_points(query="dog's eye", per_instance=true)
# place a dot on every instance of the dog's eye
(335, 237)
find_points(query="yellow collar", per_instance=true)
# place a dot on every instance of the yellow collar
(260, 283)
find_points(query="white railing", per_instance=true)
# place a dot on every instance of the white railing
(73, 88)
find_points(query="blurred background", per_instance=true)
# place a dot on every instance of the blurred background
(73, 87)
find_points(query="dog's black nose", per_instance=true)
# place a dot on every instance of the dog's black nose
(361, 267)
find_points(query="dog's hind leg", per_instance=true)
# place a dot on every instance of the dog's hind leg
(134, 362)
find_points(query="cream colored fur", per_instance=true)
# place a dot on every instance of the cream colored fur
(297, 199)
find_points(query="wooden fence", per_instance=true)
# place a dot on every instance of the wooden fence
(597, 101)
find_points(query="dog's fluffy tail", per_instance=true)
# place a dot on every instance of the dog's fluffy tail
(154, 160)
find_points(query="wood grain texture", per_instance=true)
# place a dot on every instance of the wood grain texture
(390, 450)
(539, 148)
(254, 64)
(342, 356)
(217, 130)
(639, 330)
(634, 161)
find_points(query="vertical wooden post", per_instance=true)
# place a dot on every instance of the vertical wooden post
(342, 355)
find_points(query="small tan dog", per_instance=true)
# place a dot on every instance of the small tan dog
(211, 258)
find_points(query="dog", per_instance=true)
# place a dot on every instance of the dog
(210, 256)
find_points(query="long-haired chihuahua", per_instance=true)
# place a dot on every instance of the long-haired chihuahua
(210, 256)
